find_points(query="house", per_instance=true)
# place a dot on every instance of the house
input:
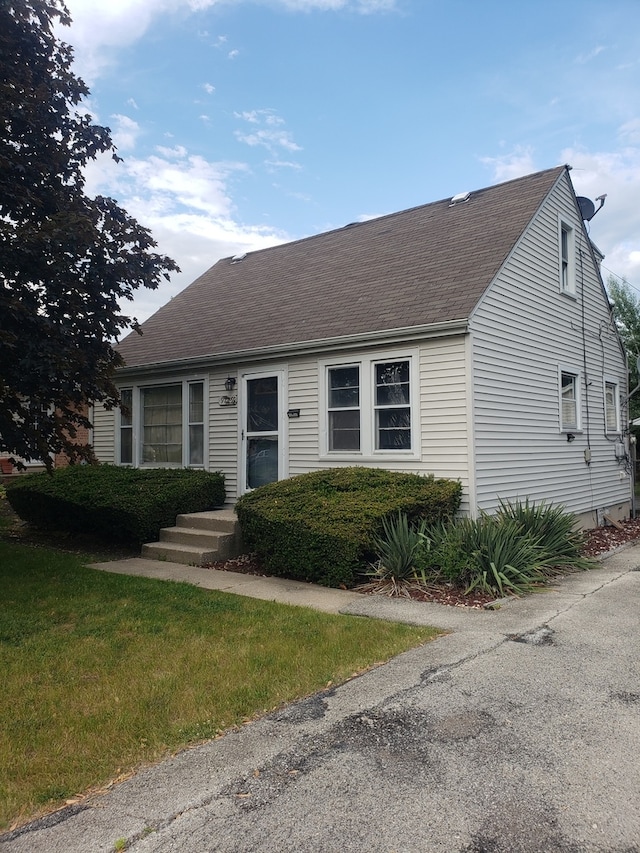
(470, 338)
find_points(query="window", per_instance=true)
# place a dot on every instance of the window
(161, 408)
(611, 407)
(196, 423)
(344, 408)
(126, 426)
(567, 273)
(569, 401)
(163, 425)
(393, 413)
(369, 407)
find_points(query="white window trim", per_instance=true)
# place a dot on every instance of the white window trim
(368, 452)
(609, 380)
(572, 371)
(136, 421)
(570, 289)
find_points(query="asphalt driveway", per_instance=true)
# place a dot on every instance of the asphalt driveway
(516, 733)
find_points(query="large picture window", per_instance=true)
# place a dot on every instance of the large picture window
(369, 407)
(163, 425)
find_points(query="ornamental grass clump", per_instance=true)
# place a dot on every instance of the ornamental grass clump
(555, 530)
(398, 548)
(510, 553)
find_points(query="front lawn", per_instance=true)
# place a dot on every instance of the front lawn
(102, 672)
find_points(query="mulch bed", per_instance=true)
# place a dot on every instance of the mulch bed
(599, 541)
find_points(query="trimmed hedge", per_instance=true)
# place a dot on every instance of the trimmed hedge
(321, 526)
(124, 504)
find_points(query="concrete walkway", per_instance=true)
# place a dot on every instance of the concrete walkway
(517, 732)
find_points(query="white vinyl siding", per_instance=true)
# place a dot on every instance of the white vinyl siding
(523, 333)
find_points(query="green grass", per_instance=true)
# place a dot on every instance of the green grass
(102, 672)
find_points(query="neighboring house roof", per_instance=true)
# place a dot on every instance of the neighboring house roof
(423, 266)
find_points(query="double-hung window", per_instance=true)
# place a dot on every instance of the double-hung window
(344, 407)
(370, 406)
(569, 401)
(611, 407)
(392, 404)
(567, 263)
(163, 425)
(126, 426)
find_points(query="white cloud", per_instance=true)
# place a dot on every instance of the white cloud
(209, 89)
(616, 228)
(124, 133)
(271, 136)
(587, 57)
(517, 163)
(100, 29)
(184, 200)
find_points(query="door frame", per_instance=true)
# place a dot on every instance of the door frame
(283, 433)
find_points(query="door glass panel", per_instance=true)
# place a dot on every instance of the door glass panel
(262, 461)
(262, 404)
(262, 436)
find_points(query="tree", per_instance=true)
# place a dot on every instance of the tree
(65, 259)
(626, 312)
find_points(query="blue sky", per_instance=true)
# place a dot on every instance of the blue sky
(243, 123)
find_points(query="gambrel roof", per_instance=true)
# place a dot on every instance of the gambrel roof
(426, 266)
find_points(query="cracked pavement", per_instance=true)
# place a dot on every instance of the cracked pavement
(517, 732)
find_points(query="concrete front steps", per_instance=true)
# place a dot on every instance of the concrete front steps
(198, 538)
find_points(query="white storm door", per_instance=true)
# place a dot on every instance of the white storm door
(262, 438)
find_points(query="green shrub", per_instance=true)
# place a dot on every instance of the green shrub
(553, 527)
(124, 504)
(510, 552)
(398, 548)
(322, 526)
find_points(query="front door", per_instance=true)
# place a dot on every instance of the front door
(262, 450)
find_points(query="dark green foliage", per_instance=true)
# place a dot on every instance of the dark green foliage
(398, 548)
(508, 553)
(67, 261)
(322, 526)
(625, 305)
(553, 527)
(123, 504)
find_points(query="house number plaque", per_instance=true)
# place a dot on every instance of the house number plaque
(228, 400)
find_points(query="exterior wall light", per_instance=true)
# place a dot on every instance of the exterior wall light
(230, 383)
(570, 436)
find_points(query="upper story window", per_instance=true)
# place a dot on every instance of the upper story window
(370, 408)
(611, 407)
(569, 401)
(567, 260)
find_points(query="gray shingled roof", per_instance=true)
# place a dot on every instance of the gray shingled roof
(427, 265)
